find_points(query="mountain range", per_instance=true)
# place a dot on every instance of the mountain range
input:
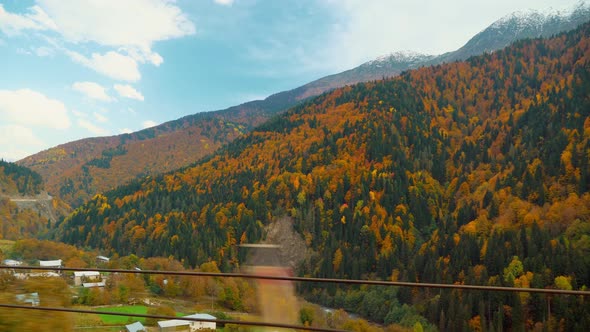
(78, 170)
(473, 172)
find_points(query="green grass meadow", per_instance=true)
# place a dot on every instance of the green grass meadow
(129, 309)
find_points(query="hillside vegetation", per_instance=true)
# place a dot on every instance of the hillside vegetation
(17, 180)
(473, 172)
(21, 183)
(76, 171)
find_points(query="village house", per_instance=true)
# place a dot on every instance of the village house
(55, 264)
(81, 277)
(30, 298)
(135, 327)
(174, 325)
(27, 275)
(185, 325)
(202, 325)
(102, 259)
(12, 262)
(51, 264)
(93, 284)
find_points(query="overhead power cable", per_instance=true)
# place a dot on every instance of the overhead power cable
(320, 280)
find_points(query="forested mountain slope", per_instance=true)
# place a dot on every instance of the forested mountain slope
(25, 209)
(16, 180)
(473, 172)
(78, 170)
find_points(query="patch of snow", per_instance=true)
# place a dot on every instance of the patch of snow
(537, 18)
(400, 57)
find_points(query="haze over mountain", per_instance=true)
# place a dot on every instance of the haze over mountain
(471, 172)
(77, 170)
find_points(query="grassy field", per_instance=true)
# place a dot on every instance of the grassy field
(129, 309)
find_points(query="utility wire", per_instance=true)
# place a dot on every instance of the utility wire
(318, 280)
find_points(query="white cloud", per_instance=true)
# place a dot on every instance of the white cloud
(132, 24)
(148, 124)
(22, 51)
(79, 114)
(94, 117)
(224, 2)
(363, 30)
(130, 27)
(36, 19)
(40, 17)
(92, 127)
(112, 64)
(100, 118)
(126, 131)
(92, 90)
(143, 56)
(28, 107)
(44, 51)
(128, 91)
(28, 143)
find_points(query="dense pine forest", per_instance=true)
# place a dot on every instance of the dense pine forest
(17, 182)
(472, 172)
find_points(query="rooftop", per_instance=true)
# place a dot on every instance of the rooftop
(200, 316)
(93, 284)
(12, 262)
(173, 322)
(135, 327)
(86, 274)
(53, 263)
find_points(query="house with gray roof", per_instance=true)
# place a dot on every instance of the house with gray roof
(135, 327)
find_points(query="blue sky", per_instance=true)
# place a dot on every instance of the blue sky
(72, 69)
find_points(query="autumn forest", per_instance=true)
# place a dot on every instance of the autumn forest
(473, 172)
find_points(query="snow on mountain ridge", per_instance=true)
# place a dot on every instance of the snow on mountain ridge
(532, 18)
(526, 18)
(400, 56)
(520, 24)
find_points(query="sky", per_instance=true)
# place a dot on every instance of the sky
(71, 69)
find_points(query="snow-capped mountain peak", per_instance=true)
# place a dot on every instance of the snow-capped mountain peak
(538, 19)
(400, 57)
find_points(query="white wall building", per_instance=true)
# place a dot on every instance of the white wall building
(102, 259)
(30, 298)
(202, 325)
(12, 262)
(185, 325)
(81, 277)
(50, 264)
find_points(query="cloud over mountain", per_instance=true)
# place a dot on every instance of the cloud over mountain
(92, 90)
(130, 28)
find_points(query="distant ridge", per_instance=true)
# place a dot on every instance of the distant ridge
(75, 171)
(519, 25)
(472, 172)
